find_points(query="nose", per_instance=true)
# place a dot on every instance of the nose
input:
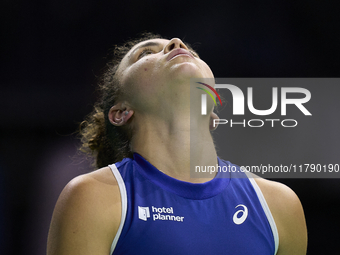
(174, 44)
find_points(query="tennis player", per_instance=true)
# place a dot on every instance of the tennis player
(143, 199)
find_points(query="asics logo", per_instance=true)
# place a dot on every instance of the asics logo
(241, 215)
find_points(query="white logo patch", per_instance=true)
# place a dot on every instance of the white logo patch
(158, 213)
(239, 220)
(143, 213)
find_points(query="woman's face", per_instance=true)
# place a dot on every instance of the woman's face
(158, 71)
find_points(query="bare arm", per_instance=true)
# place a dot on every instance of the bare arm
(289, 217)
(86, 216)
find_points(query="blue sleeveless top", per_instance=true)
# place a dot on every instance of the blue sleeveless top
(163, 215)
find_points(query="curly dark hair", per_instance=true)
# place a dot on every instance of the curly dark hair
(101, 140)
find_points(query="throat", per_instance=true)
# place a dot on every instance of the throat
(177, 154)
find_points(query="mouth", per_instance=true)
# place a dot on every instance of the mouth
(178, 52)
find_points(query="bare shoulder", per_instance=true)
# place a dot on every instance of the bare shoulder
(86, 216)
(288, 214)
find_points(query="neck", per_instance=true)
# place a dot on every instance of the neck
(175, 146)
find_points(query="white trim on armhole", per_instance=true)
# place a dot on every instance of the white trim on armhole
(266, 211)
(123, 196)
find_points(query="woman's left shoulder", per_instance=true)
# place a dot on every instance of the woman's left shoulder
(288, 214)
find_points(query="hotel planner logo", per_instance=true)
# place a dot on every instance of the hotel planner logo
(158, 213)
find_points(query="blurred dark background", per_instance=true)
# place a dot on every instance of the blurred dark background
(52, 51)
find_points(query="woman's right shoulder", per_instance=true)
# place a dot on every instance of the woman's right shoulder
(87, 213)
(91, 187)
(98, 189)
(99, 179)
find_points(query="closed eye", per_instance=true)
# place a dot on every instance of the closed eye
(145, 52)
